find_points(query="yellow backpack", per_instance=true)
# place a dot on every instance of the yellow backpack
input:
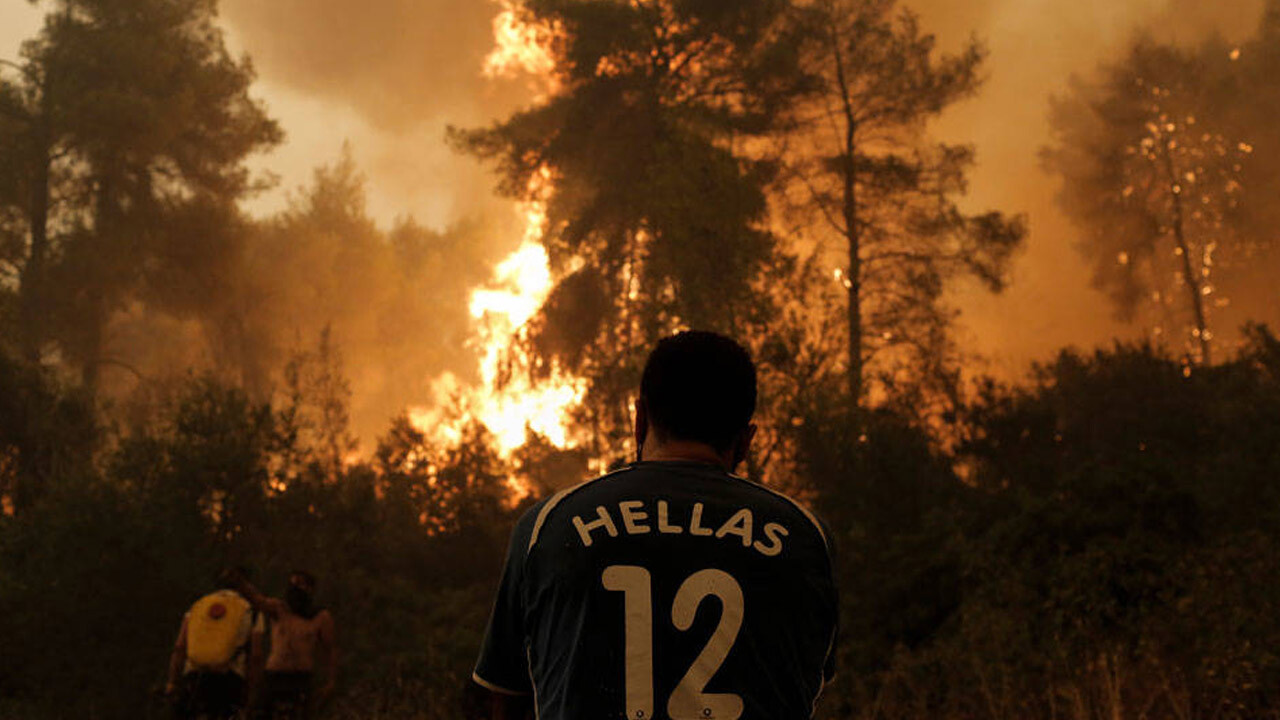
(215, 630)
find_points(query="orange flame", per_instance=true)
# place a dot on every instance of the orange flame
(501, 310)
(504, 306)
(521, 48)
(521, 284)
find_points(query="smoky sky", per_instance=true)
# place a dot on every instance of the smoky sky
(406, 68)
(399, 62)
(1034, 47)
(386, 77)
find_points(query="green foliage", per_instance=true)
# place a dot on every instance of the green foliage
(126, 253)
(1094, 546)
(45, 433)
(1098, 543)
(394, 301)
(892, 505)
(1097, 560)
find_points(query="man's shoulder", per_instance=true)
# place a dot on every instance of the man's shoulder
(787, 503)
(650, 490)
(531, 523)
(242, 603)
(323, 619)
(654, 478)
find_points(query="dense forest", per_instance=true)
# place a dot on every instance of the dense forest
(1096, 541)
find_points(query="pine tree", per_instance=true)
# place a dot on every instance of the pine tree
(863, 167)
(125, 114)
(1157, 174)
(655, 219)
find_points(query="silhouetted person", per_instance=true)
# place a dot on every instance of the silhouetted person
(219, 641)
(671, 588)
(302, 641)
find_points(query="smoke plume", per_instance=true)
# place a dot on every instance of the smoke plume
(1035, 47)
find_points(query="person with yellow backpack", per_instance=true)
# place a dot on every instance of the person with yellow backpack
(218, 650)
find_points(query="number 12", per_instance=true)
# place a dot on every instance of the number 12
(687, 701)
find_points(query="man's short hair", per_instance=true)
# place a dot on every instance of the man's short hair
(699, 386)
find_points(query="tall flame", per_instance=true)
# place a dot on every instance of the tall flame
(510, 406)
(521, 284)
(518, 46)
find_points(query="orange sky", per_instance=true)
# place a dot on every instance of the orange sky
(1035, 45)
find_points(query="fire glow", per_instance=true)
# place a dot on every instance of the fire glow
(521, 284)
(509, 407)
(520, 49)
(509, 404)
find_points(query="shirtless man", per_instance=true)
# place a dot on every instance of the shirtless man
(302, 638)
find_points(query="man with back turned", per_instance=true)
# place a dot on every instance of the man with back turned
(671, 588)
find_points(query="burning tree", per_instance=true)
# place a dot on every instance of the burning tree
(653, 220)
(862, 164)
(1152, 175)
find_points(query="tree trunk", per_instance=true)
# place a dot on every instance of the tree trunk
(1189, 273)
(853, 280)
(94, 345)
(31, 302)
(853, 234)
(107, 224)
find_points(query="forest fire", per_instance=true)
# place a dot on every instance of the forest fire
(520, 48)
(517, 47)
(1014, 340)
(510, 404)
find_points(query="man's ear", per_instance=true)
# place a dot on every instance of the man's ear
(641, 425)
(742, 448)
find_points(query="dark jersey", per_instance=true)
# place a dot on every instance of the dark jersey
(665, 590)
